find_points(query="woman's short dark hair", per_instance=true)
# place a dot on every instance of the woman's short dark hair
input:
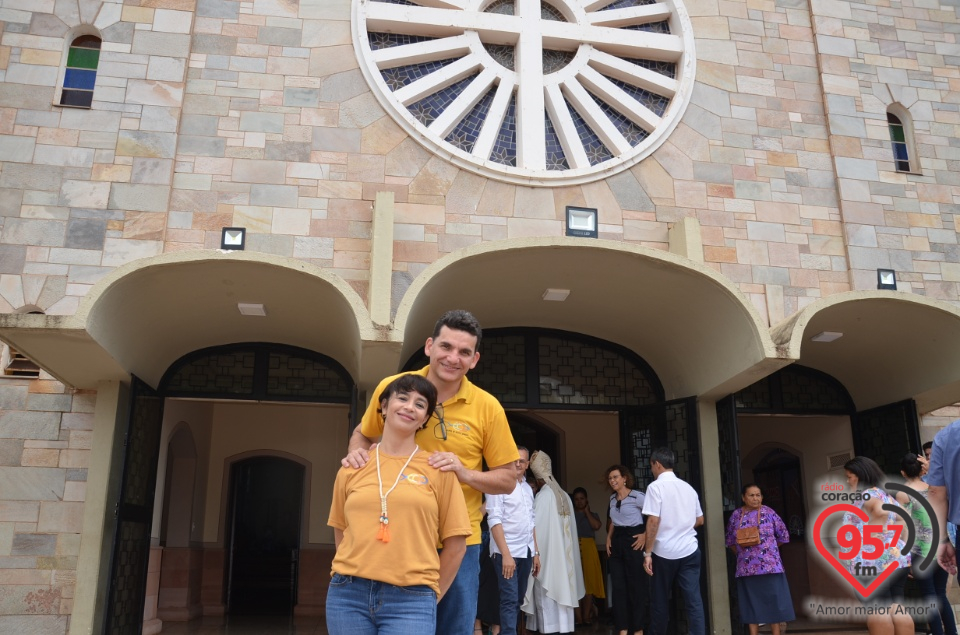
(910, 465)
(624, 472)
(743, 490)
(580, 490)
(411, 382)
(866, 470)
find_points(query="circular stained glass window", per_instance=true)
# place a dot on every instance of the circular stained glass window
(547, 92)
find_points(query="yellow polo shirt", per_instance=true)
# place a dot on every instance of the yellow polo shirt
(477, 431)
(424, 509)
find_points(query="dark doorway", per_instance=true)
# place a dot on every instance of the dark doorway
(264, 541)
(533, 435)
(779, 477)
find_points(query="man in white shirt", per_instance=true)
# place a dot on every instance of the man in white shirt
(673, 513)
(514, 544)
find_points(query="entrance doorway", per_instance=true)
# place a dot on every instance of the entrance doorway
(266, 500)
(779, 475)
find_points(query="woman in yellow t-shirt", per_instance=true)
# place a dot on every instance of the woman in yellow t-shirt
(388, 518)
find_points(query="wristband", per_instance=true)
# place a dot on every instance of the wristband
(536, 554)
(944, 541)
(647, 554)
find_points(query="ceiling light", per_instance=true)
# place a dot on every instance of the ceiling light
(233, 238)
(556, 295)
(826, 336)
(247, 308)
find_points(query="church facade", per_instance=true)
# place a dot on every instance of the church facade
(730, 226)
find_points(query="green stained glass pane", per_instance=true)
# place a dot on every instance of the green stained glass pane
(83, 58)
(896, 133)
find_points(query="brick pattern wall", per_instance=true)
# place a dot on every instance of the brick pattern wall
(45, 435)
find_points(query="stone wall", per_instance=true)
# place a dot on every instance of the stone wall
(45, 434)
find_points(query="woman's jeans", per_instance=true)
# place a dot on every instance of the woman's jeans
(357, 606)
(933, 584)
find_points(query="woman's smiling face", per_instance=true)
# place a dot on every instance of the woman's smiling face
(406, 411)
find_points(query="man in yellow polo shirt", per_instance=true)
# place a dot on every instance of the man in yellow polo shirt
(471, 428)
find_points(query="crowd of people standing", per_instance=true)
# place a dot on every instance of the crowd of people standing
(421, 566)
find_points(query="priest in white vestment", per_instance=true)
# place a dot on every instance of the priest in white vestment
(556, 590)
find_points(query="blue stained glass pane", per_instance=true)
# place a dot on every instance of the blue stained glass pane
(464, 135)
(77, 78)
(626, 4)
(596, 151)
(657, 103)
(633, 133)
(429, 108)
(664, 68)
(397, 78)
(652, 27)
(556, 159)
(900, 151)
(388, 40)
(505, 147)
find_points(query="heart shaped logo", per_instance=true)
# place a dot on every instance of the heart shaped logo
(864, 591)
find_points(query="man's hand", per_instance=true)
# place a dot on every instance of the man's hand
(357, 458)
(509, 566)
(947, 557)
(447, 462)
(638, 541)
(536, 565)
(648, 564)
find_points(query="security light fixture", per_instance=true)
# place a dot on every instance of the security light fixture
(556, 295)
(581, 222)
(826, 336)
(887, 279)
(252, 308)
(233, 238)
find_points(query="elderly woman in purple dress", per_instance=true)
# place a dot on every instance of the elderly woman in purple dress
(761, 583)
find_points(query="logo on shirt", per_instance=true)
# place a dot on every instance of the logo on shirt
(459, 428)
(416, 479)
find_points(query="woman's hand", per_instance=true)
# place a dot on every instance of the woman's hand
(608, 546)
(638, 540)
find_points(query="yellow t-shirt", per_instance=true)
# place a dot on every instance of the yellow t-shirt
(425, 508)
(477, 430)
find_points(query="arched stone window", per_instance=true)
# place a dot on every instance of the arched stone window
(80, 72)
(900, 125)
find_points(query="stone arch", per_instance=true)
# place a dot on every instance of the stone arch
(688, 321)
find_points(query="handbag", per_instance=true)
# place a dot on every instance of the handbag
(748, 536)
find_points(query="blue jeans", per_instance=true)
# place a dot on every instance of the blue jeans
(458, 608)
(933, 586)
(357, 606)
(512, 592)
(686, 571)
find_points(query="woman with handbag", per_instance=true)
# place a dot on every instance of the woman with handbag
(754, 533)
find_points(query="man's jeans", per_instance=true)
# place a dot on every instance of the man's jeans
(686, 571)
(512, 592)
(458, 608)
(357, 606)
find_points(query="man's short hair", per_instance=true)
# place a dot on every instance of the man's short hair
(927, 446)
(459, 320)
(665, 457)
